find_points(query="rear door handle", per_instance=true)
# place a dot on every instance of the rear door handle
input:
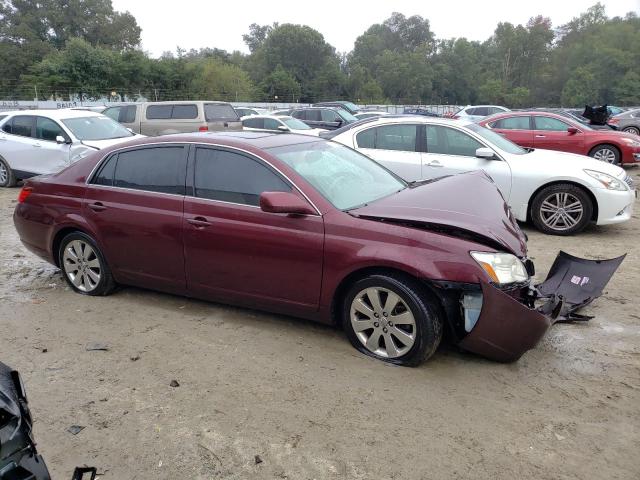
(435, 163)
(97, 207)
(199, 222)
(37, 145)
(541, 136)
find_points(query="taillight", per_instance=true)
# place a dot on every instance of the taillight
(24, 193)
(203, 129)
(613, 121)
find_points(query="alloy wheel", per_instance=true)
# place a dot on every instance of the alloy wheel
(561, 211)
(82, 265)
(633, 130)
(383, 322)
(4, 173)
(605, 155)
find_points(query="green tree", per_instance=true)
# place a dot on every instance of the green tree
(581, 88)
(280, 84)
(214, 79)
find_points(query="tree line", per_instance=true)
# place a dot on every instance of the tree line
(52, 49)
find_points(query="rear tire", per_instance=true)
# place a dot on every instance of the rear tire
(562, 209)
(7, 177)
(393, 318)
(632, 130)
(83, 265)
(606, 153)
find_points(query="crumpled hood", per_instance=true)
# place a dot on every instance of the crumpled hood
(100, 144)
(468, 202)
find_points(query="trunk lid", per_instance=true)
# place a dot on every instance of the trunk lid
(467, 204)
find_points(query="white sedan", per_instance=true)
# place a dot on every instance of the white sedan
(559, 192)
(278, 124)
(35, 142)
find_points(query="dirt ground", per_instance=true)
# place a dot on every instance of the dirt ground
(297, 395)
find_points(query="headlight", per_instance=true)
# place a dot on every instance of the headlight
(609, 182)
(502, 268)
(632, 142)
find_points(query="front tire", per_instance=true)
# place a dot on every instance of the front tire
(562, 209)
(392, 318)
(606, 153)
(84, 266)
(7, 177)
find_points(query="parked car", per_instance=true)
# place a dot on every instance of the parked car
(278, 124)
(323, 117)
(33, 142)
(628, 122)
(350, 107)
(575, 116)
(476, 113)
(560, 192)
(420, 111)
(285, 111)
(164, 118)
(371, 114)
(341, 240)
(555, 132)
(246, 111)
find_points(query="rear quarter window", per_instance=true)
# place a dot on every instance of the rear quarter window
(159, 112)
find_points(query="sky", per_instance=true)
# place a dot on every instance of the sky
(221, 23)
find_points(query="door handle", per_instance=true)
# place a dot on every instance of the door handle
(37, 145)
(435, 163)
(97, 207)
(541, 136)
(199, 222)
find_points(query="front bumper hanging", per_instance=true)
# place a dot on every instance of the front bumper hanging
(508, 327)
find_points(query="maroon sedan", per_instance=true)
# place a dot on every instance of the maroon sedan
(551, 131)
(296, 225)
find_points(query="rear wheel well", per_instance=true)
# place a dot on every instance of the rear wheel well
(55, 247)
(349, 280)
(594, 202)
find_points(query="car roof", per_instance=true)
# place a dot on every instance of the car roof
(386, 119)
(261, 140)
(58, 114)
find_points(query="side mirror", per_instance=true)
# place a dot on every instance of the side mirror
(60, 140)
(486, 153)
(283, 128)
(284, 202)
(572, 130)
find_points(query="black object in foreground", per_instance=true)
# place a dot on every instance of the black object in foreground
(19, 458)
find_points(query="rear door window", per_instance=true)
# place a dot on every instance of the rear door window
(513, 123)
(482, 111)
(47, 129)
(234, 178)
(155, 169)
(184, 112)
(396, 137)
(314, 115)
(253, 123)
(366, 138)
(271, 124)
(330, 116)
(159, 112)
(219, 111)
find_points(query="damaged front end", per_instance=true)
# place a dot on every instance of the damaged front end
(19, 459)
(503, 323)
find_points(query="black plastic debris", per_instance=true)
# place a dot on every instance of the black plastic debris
(596, 115)
(84, 473)
(75, 429)
(576, 282)
(19, 458)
